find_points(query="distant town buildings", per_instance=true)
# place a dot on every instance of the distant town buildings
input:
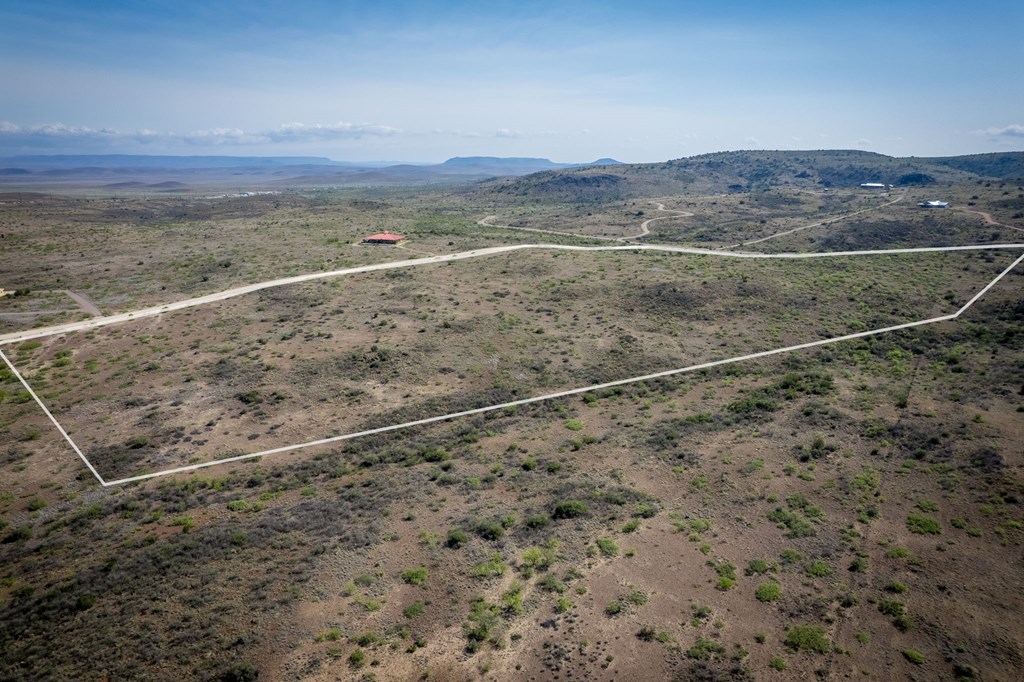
(384, 238)
(934, 204)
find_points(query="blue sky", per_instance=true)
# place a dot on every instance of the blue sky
(571, 81)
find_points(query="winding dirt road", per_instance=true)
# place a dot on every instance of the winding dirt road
(989, 220)
(824, 221)
(623, 245)
(644, 226)
(93, 323)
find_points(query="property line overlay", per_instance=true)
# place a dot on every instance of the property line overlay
(52, 418)
(526, 401)
(153, 311)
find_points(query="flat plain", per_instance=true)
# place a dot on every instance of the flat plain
(848, 511)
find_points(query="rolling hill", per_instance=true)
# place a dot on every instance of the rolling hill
(739, 171)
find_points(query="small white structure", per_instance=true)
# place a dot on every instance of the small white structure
(873, 185)
(934, 204)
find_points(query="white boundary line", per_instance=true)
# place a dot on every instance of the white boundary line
(42, 332)
(239, 291)
(550, 396)
(824, 221)
(55, 422)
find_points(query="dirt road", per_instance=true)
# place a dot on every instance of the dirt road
(644, 230)
(84, 302)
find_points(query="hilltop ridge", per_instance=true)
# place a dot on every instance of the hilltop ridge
(747, 170)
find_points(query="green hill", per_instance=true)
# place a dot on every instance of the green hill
(739, 171)
(1002, 165)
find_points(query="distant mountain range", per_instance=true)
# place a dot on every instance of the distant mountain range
(107, 161)
(603, 179)
(177, 173)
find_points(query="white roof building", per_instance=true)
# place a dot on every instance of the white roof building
(934, 204)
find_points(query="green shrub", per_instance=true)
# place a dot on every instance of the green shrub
(777, 662)
(818, 569)
(768, 592)
(357, 658)
(366, 639)
(457, 538)
(759, 567)
(636, 597)
(331, 635)
(36, 504)
(704, 649)
(608, 547)
(725, 569)
(187, 523)
(923, 525)
(915, 657)
(895, 587)
(539, 558)
(435, 455)
(646, 634)
(808, 637)
(136, 442)
(903, 622)
(551, 583)
(647, 510)
(415, 576)
(492, 567)
(796, 525)
(249, 398)
(537, 521)
(891, 607)
(570, 509)
(490, 529)
(414, 609)
(512, 600)
(483, 618)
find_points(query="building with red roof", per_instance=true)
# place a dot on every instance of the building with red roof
(384, 238)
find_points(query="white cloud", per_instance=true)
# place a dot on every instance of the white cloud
(57, 134)
(505, 132)
(300, 132)
(1012, 130)
(456, 133)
